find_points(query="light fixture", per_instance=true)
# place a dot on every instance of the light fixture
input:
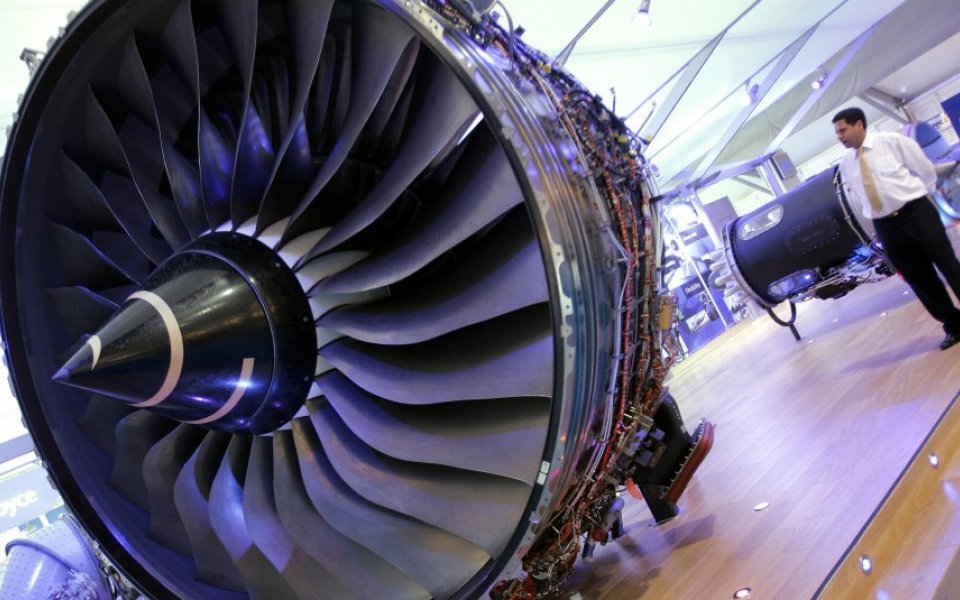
(749, 95)
(743, 593)
(817, 82)
(866, 565)
(642, 18)
(32, 58)
(934, 460)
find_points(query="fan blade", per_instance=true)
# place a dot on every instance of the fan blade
(358, 569)
(238, 22)
(482, 509)
(254, 159)
(148, 171)
(215, 164)
(506, 358)
(320, 99)
(133, 83)
(217, 148)
(81, 310)
(440, 561)
(318, 269)
(308, 21)
(392, 133)
(260, 578)
(161, 466)
(103, 146)
(135, 435)
(292, 174)
(502, 275)
(83, 207)
(321, 304)
(443, 107)
(484, 188)
(503, 437)
(179, 45)
(108, 148)
(216, 168)
(378, 46)
(83, 264)
(370, 143)
(150, 102)
(267, 531)
(293, 170)
(100, 418)
(294, 250)
(344, 76)
(269, 95)
(121, 251)
(191, 494)
(131, 216)
(185, 182)
(254, 153)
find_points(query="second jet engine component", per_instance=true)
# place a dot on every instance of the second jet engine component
(54, 562)
(346, 298)
(810, 242)
(945, 161)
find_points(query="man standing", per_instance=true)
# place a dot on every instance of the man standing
(891, 178)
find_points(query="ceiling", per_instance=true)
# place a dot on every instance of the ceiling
(639, 62)
(631, 66)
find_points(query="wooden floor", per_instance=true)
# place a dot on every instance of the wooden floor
(819, 429)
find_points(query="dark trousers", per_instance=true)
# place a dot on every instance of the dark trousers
(915, 242)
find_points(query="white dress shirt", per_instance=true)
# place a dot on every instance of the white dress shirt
(901, 172)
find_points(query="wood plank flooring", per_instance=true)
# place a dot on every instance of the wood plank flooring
(820, 429)
(912, 543)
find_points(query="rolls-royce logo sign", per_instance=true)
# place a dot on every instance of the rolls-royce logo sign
(25, 496)
(9, 507)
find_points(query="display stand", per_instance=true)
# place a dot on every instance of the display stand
(789, 323)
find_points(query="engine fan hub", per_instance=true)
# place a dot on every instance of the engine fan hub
(220, 336)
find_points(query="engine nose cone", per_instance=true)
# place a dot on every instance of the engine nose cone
(220, 336)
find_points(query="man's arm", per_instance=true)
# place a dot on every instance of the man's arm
(916, 161)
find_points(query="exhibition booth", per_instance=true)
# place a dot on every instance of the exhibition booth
(382, 299)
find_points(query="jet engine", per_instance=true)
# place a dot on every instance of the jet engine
(811, 242)
(333, 298)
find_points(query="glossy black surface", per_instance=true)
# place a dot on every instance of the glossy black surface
(244, 327)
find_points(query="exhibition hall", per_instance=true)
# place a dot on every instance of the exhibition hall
(463, 299)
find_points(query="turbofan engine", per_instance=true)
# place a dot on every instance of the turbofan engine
(333, 298)
(812, 242)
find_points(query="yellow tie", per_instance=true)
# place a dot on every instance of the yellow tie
(868, 184)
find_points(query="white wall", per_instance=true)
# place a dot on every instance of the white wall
(25, 24)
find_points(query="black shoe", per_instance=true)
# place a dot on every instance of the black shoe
(950, 340)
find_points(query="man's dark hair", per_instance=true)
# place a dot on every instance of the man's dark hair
(851, 116)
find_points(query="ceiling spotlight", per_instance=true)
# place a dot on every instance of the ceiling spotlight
(642, 18)
(817, 83)
(749, 95)
(866, 565)
(743, 593)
